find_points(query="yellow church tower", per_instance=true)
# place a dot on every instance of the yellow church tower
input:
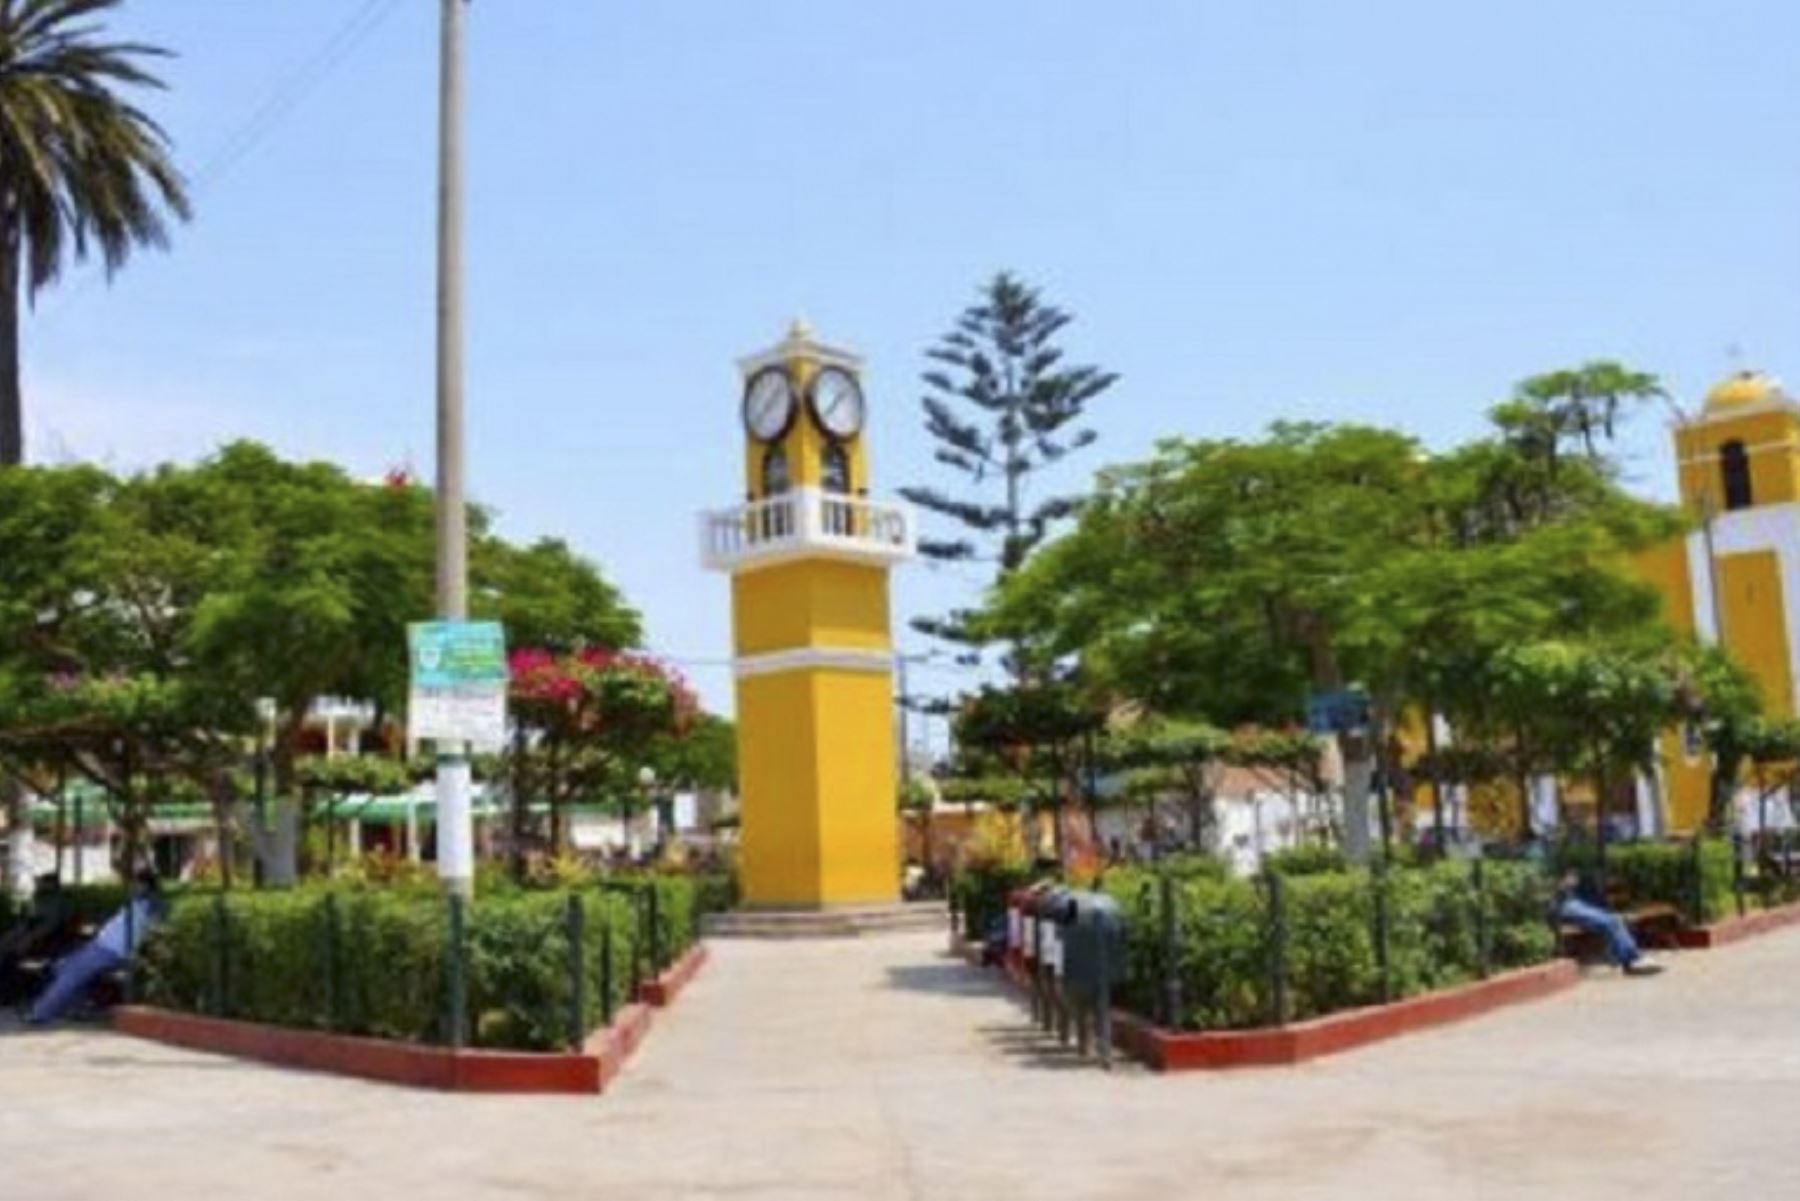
(1735, 579)
(809, 554)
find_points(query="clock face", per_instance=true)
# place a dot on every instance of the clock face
(768, 404)
(837, 403)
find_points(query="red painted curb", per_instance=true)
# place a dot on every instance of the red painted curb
(1736, 929)
(663, 990)
(448, 1068)
(611, 1046)
(1173, 1051)
(452, 1069)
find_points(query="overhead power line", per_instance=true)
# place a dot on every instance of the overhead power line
(286, 96)
(294, 88)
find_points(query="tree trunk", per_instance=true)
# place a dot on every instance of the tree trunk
(1437, 778)
(224, 800)
(12, 407)
(18, 839)
(1602, 783)
(289, 824)
(1524, 785)
(554, 787)
(517, 854)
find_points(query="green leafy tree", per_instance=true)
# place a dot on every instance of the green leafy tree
(1724, 700)
(1223, 580)
(141, 617)
(548, 596)
(1039, 730)
(1601, 705)
(82, 167)
(1176, 758)
(1773, 748)
(701, 756)
(1579, 406)
(1001, 405)
(327, 783)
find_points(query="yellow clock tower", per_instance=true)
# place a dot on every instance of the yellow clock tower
(809, 553)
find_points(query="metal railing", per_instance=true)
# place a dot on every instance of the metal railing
(807, 521)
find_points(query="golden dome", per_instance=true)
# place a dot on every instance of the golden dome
(1743, 389)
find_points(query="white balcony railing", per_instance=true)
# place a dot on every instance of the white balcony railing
(807, 522)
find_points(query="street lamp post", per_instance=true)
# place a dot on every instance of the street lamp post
(265, 838)
(646, 779)
(455, 836)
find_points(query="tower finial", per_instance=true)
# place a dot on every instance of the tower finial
(800, 330)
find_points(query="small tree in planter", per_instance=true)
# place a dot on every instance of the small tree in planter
(327, 783)
(1604, 706)
(1039, 731)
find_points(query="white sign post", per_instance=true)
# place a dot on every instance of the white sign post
(457, 701)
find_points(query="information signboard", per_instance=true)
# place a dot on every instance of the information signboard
(459, 677)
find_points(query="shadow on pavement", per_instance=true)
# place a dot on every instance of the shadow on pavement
(949, 978)
(1023, 1042)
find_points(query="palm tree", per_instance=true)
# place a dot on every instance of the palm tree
(81, 168)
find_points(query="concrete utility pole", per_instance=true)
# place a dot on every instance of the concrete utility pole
(455, 835)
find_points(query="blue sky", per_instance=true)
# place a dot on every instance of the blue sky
(1378, 211)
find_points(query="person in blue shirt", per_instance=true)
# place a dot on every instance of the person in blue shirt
(117, 941)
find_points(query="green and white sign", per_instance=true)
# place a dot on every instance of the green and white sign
(458, 692)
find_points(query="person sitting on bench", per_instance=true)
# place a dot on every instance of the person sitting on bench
(1576, 910)
(117, 941)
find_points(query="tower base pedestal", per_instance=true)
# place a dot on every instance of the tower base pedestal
(848, 921)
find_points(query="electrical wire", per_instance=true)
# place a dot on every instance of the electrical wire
(286, 96)
(294, 88)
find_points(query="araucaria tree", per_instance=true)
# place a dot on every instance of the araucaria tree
(82, 168)
(1001, 405)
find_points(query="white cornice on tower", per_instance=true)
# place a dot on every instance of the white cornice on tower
(801, 343)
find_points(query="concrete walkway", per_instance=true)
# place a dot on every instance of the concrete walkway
(879, 1069)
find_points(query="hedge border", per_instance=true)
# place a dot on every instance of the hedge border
(1297, 1042)
(450, 1069)
(1345, 1030)
(1736, 929)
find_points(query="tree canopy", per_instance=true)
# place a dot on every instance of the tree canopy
(142, 617)
(1001, 405)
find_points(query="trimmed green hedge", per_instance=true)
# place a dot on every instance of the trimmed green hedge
(1308, 860)
(375, 961)
(1642, 873)
(1226, 945)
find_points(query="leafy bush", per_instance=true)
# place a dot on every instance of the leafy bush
(716, 892)
(1306, 861)
(375, 961)
(1225, 941)
(979, 894)
(1193, 864)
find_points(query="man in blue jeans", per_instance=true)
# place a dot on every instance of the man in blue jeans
(1621, 947)
(117, 941)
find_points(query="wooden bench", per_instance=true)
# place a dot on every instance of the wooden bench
(1653, 924)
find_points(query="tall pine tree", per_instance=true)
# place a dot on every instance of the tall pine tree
(1001, 405)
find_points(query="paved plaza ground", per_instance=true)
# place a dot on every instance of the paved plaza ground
(880, 1069)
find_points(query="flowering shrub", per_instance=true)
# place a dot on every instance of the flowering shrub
(600, 691)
